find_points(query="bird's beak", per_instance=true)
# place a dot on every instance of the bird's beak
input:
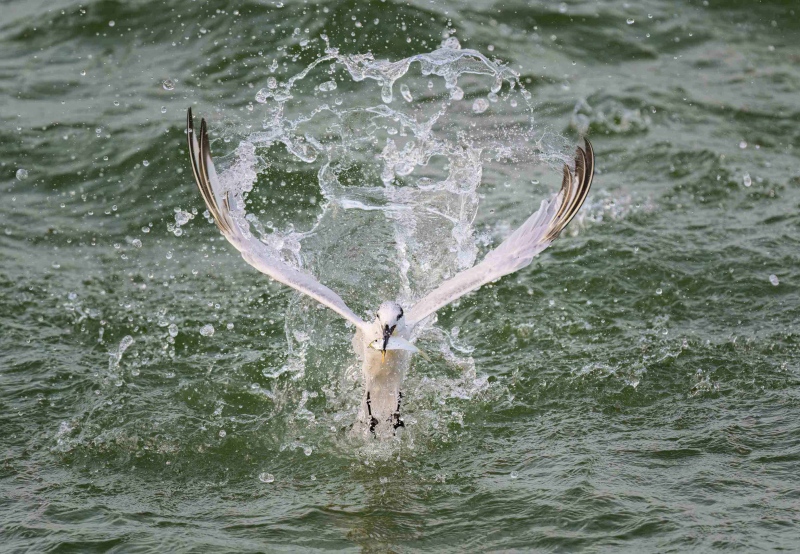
(387, 333)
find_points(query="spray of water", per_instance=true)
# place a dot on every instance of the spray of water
(397, 179)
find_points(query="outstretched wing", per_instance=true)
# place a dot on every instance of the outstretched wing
(519, 249)
(255, 252)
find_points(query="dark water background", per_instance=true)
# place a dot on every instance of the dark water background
(635, 389)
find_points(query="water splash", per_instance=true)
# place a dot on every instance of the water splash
(397, 181)
(115, 356)
(406, 175)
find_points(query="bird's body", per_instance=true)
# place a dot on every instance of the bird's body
(384, 344)
(383, 371)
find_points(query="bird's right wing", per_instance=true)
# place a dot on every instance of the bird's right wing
(519, 249)
(255, 252)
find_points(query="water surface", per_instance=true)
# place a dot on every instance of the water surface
(636, 388)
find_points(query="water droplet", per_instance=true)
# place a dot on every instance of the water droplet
(22, 174)
(266, 477)
(743, 145)
(406, 93)
(263, 95)
(173, 330)
(452, 43)
(327, 86)
(456, 93)
(307, 450)
(124, 344)
(514, 475)
(774, 280)
(222, 433)
(111, 23)
(207, 330)
(229, 326)
(136, 243)
(181, 217)
(163, 109)
(658, 292)
(169, 254)
(145, 163)
(167, 84)
(747, 180)
(480, 105)
(386, 93)
(630, 21)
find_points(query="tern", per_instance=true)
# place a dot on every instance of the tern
(384, 345)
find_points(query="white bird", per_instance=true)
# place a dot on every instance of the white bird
(384, 344)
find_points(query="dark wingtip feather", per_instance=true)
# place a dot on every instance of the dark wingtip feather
(571, 203)
(193, 158)
(200, 161)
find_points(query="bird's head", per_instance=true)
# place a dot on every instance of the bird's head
(389, 318)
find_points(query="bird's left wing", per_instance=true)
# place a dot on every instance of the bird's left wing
(519, 249)
(255, 252)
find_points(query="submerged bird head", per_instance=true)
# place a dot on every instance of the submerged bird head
(389, 318)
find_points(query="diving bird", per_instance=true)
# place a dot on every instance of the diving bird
(384, 344)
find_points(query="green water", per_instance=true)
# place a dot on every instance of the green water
(635, 389)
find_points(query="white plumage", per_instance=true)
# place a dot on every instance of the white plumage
(384, 368)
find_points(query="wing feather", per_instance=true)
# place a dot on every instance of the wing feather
(519, 249)
(254, 252)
